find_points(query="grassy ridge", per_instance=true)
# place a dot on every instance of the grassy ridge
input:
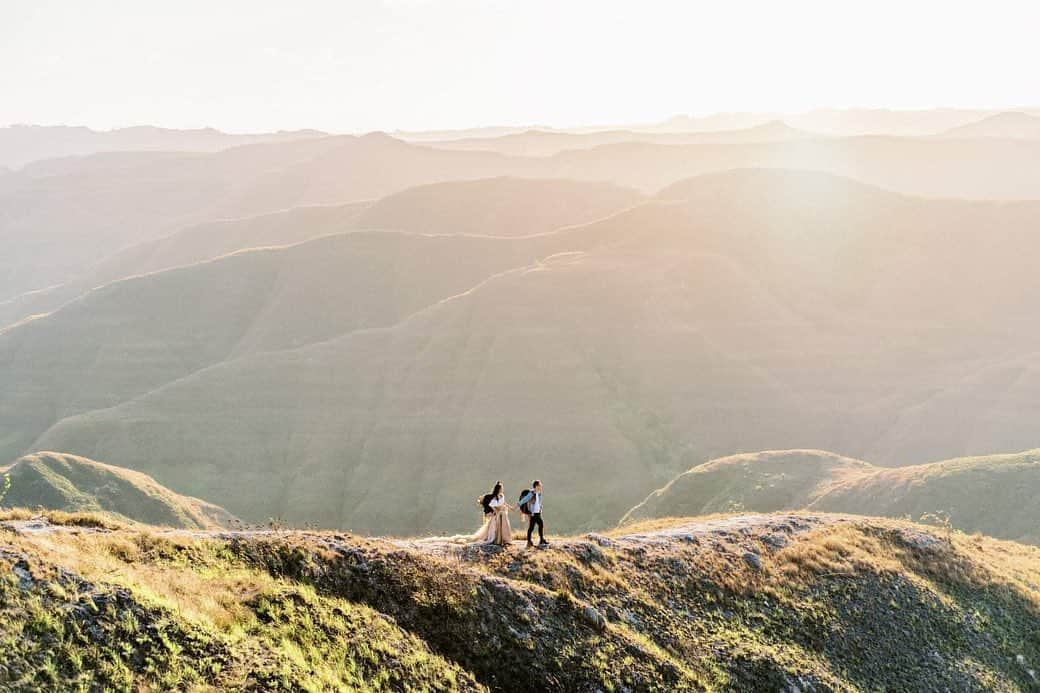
(57, 481)
(745, 603)
(992, 494)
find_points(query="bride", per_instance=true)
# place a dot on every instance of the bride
(496, 529)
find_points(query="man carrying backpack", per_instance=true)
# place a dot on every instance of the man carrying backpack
(531, 505)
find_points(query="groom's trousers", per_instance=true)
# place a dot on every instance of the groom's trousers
(536, 519)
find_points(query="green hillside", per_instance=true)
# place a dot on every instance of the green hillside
(758, 481)
(992, 494)
(55, 481)
(763, 603)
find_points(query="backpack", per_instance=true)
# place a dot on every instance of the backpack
(523, 506)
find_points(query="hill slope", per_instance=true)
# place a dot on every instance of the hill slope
(759, 481)
(55, 481)
(730, 314)
(1012, 124)
(992, 494)
(62, 216)
(489, 207)
(734, 604)
(132, 336)
(497, 206)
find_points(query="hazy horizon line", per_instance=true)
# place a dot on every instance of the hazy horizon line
(693, 115)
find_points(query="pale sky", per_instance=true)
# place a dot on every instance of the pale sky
(358, 65)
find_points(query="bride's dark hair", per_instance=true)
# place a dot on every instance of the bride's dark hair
(497, 490)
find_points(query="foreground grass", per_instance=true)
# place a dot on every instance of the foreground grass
(131, 610)
(839, 605)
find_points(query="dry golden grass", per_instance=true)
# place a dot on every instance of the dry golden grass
(206, 589)
(60, 517)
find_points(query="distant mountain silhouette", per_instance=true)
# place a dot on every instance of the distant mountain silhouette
(66, 215)
(747, 309)
(23, 144)
(851, 122)
(547, 143)
(73, 213)
(1014, 125)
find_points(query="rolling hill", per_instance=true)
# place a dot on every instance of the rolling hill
(62, 216)
(55, 481)
(497, 206)
(489, 207)
(749, 309)
(1011, 124)
(768, 602)
(132, 336)
(992, 494)
(765, 481)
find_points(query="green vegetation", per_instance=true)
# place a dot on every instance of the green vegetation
(759, 481)
(133, 610)
(810, 601)
(54, 481)
(992, 494)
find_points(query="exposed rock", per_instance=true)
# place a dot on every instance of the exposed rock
(919, 540)
(775, 541)
(595, 618)
(753, 560)
(1022, 663)
(599, 539)
(25, 578)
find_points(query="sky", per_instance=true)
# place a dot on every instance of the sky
(361, 65)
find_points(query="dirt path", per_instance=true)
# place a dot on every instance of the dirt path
(724, 533)
(720, 533)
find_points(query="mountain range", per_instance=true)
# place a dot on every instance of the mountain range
(750, 309)
(24, 144)
(486, 207)
(63, 216)
(549, 142)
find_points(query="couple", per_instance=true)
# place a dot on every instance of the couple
(496, 529)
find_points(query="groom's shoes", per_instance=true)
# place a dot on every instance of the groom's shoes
(530, 544)
(543, 542)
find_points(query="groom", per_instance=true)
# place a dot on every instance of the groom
(533, 499)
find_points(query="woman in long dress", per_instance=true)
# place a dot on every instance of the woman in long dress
(496, 529)
(500, 532)
(481, 535)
